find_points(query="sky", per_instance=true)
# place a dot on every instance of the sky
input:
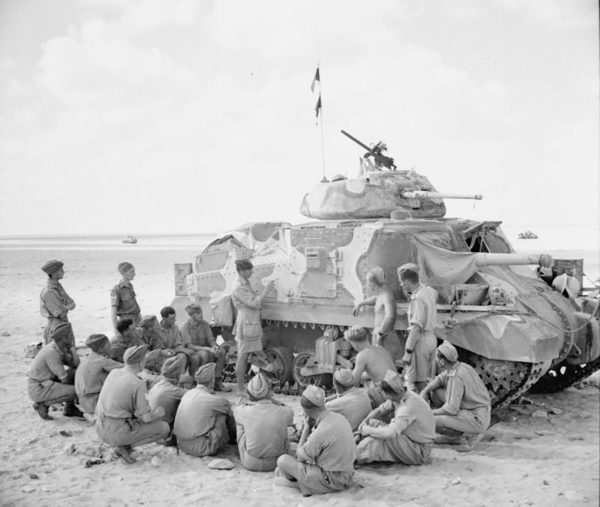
(182, 116)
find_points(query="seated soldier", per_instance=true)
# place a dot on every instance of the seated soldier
(466, 401)
(126, 337)
(261, 427)
(166, 393)
(48, 380)
(148, 334)
(200, 345)
(370, 364)
(408, 438)
(124, 418)
(350, 401)
(203, 423)
(92, 373)
(326, 451)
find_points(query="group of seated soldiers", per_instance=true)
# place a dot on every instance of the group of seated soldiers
(379, 420)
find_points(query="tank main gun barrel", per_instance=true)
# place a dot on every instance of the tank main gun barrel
(419, 194)
(360, 143)
(512, 259)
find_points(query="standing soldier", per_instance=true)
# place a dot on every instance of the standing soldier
(55, 303)
(419, 354)
(122, 297)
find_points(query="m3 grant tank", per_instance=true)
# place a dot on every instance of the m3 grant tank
(504, 319)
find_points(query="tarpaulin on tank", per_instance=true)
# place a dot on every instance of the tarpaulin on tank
(439, 266)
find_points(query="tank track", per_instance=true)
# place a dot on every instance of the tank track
(565, 375)
(506, 380)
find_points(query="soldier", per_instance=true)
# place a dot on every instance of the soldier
(350, 401)
(124, 418)
(122, 297)
(326, 451)
(371, 362)
(55, 303)
(166, 393)
(48, 380)
(248, 328)
(385, 312)
(408, 438)
(92, 373)
(200, 345)
(262, 427)
(203, 423)
(148, 334)
(419, 356)
(125, 337)
(466, 401)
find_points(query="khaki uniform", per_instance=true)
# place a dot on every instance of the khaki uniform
(200, 335)
(354, 405)
(422, 312)
(89, 378)
(414, 431)
(262, 433)
(122, 297)
(53, 306)
(44, 378)
(247, 328)
(120, 343)
(331, 451)
(467, 406)
(201, 422)
(166, 395)
(121, 403)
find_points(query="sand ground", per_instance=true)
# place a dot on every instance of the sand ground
(542, 454)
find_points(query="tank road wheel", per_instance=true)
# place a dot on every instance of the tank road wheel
(281, 358)
(564, 375)
(319, 380)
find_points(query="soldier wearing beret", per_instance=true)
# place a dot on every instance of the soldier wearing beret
(92, 373)
(123, 302)
(55, 303)
(124, 417)
(350, 401)
(51, 376)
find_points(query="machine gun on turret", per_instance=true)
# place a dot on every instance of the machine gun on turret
(380, 160)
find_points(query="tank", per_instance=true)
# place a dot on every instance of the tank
(503, 318)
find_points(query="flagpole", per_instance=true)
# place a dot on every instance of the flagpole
(322, 138)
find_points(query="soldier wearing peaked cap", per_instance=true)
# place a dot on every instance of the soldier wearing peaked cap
(55, 303)
(326, 451)
(419, 356)
(124, 417)
(262, 427)
(203, 423)
(123, 300)
(350, 401)
(51, 376)
(92, 373)
(465, 401)
(408, 438)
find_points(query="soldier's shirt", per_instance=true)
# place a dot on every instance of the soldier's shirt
(166, 395)
(170, 336)
(331, 444)
(92, 372)
(151, 338)
(54, 300)
(464, 389)
(414, 419)
(265, 426)
(199, 334)
(197, 413)
(123, 396)
(122, 297)
(354, 405)
(422, 308)
(48, 364)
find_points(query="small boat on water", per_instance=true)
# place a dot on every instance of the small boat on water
(130, 239)
(527, 235)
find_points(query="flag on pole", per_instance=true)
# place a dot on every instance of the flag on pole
(316, 82)
(315, 87)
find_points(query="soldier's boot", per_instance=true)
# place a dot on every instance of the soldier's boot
(42, 410)
(71, 410)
